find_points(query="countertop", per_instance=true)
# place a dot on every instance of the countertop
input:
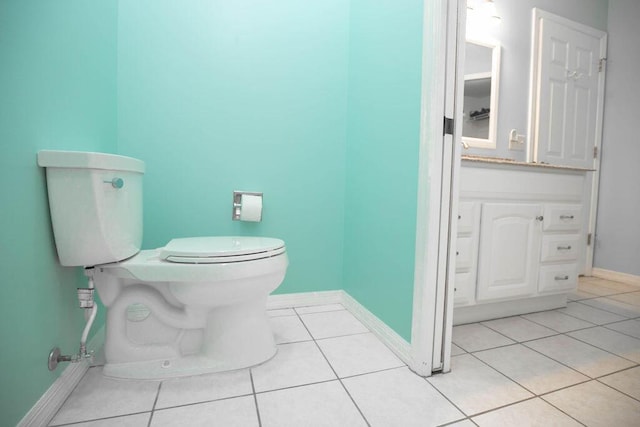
(511, 162)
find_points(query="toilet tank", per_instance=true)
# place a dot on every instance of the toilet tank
(95, 201)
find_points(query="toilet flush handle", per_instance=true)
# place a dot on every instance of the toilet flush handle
(116, 182)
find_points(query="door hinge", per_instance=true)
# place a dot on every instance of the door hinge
(589, 239)
(601, 64)
(448, 126)
(595, 152)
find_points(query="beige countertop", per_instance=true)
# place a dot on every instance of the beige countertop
(511, 162)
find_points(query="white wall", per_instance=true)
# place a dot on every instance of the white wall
(618, 227)
(514, 33)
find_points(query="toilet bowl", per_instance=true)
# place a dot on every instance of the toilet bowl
(196, 305)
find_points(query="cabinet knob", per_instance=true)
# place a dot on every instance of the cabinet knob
(540, 218)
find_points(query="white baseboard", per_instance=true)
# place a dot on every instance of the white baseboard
(388, 336)
(615, 276)
(302, 299)
(51, 401)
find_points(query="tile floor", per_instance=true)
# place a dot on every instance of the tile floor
(569, 367)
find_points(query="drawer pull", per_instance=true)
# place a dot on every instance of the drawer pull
(561, 278)
(564, 248)
(566, 216)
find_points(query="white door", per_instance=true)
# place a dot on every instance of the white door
(568, 86)
(509, 250)
(566, 105)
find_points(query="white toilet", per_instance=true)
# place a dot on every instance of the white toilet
(197, 305)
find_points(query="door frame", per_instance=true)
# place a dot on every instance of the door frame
(438, 172)
(591, 192)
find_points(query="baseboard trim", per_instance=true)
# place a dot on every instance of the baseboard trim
(301, 299)
(50, 402)
(388, 336)
(615, 276)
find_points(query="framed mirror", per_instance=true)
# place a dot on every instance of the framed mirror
(480, 105)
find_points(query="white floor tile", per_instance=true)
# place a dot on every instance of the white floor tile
(595, 405)
(614, 342)
(582, 357)
(632, 298)
(613, 306)
(463, 423)
(530, 413)
(116, 397)
(558, 321)
(294, 364)
(324, 404)
(288, 329)
(519, 329)
(400, 398)
(596, 289)
(474, 337)
(319, 308)
(580, 295)
(138, 420)
(358, 354)
(332, 324)
(628, 327)
(627, 381)
(475, 387)
(617, 286)
(456, 351)
(203, 388)
(533, 371)
(236, 412)
(281, 312)
(590, 314)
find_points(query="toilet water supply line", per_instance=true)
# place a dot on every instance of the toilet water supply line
(85, 299)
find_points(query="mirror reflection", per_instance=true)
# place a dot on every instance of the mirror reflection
(480, 93)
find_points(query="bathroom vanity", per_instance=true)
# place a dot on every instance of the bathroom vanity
(520, 237)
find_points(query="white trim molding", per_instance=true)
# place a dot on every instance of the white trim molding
(615, 276)
(50, 402)
(384, 333)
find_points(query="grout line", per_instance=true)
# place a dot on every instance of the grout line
(155, 401)
(615, 389)
(608, 311)
(255, 398)
(336, 374)
(113, 417)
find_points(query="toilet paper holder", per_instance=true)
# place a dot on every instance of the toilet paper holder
(237, 203)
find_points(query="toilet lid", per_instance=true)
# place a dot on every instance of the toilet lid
(211, 250)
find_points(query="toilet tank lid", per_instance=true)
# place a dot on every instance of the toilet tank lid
(88, 160)
(203, 247)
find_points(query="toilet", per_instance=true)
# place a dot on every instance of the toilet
(195, 306)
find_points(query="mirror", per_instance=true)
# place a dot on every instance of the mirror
(480, 104)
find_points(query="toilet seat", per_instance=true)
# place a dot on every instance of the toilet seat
(217, 250)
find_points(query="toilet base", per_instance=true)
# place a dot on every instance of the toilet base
(179, 367)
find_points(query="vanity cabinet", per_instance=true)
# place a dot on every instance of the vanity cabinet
(520, 236)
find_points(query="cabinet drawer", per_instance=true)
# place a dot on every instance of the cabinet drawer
(563, 247)
(562, 218)
(464, 249)
(467, 217)
(558, 278)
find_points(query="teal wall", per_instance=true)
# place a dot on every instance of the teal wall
(385, 55)
(315, 104)
(57, 85)
(217, 96)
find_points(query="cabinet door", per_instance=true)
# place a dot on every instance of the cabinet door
(509, 250)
